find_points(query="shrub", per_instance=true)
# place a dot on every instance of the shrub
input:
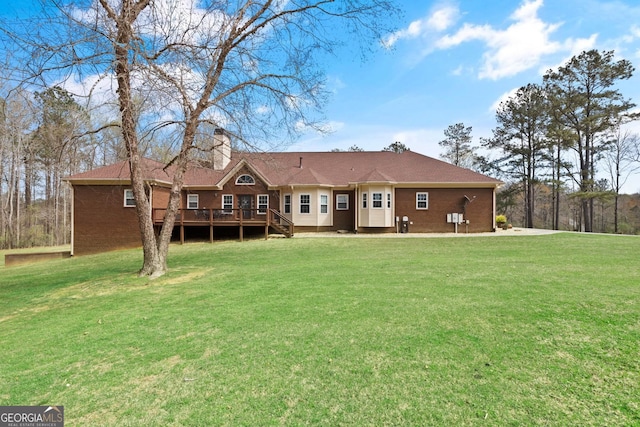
(501, 219)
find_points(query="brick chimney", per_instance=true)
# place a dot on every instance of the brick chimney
(221, 149)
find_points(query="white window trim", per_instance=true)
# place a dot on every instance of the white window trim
(426, 202)
(305, 204)
(225, 210)
(128, 196)
(373, 200)
(326, 204)
(364, 201)
(253, 180)
(265, 204)
(189, 199)
(388, 200)
(346, 201)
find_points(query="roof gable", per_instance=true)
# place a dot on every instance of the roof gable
(235, 169)
(375, 176)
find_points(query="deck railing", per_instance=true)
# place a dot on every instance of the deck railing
(280, 222)
(211, 216)
(227, 217)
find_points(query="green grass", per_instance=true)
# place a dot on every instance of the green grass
(536, 330)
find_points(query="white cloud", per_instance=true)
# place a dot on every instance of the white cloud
(263, 109)
(521, 46)
(441, 18)
(177, 21)
(573, 47)
(577, 46)
(512, 50)
(502, 98)
(335, 84)
(458, 71)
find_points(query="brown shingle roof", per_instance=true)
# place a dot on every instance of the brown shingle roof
(344, 168)
(152, 170)
(312, 168)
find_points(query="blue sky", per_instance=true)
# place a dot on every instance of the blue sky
(454, 61)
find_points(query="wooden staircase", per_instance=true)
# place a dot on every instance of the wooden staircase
(280, 224)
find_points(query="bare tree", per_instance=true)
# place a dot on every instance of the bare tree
(55, 146)
(17, 124)
(248, 66)
(622, 159)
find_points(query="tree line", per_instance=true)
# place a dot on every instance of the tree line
(551, 143)
(38, 148)
(175, 70)
(561, 142)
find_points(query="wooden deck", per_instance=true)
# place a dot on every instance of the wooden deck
(227, 218)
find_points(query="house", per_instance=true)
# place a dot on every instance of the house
(363, 192)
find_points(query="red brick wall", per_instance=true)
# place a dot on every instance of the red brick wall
(160, 197)
(101, 222)
(231, 188)
(443, 201)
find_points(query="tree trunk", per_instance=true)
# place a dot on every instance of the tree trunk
(529, 194)
(556, 219)
(154, 263)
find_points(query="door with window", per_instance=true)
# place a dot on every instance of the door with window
(245, 203)
(344, 211)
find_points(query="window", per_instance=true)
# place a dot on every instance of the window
(324, 203)
(227, 203)
(129, 200)
(388, 200)
(263, 203)
(342, 202)
(376, 200)
(287, 203)
(305, 203)
(364, 200)
(245, 180)
(422, 200)
(192, 201)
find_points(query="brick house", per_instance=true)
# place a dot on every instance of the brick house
(363, 192)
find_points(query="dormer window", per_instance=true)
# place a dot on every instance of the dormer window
(245, 180)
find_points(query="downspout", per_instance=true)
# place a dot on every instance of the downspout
(356, 209)
(292, 205)
(73, 217)
(493, 220)
(151, 203)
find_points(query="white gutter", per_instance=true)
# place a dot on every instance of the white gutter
(357, 208)
(73, 215)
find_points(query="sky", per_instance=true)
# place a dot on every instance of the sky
(454, 61)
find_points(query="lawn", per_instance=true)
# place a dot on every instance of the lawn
(527, 330)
